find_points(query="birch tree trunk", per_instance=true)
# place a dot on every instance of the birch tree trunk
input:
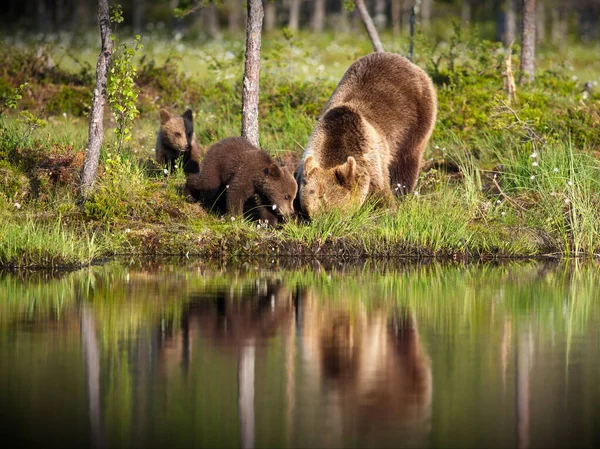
(138, 11)
(89, 343)
(528, 41)
(252, 71)
(380, 18)
(96, 128)
(540, 27)
(368, 23)
(510, 22)
(465, 11)
(294, 20)
(396, 13)
(270, 15)
(426, 13)
(318, 17)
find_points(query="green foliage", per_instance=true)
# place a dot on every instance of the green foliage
(73, 100)
(121, 91)
(12, 99)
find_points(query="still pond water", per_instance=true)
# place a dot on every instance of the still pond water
(377, 355)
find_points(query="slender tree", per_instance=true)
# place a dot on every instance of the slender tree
(294, 19)
(368, 23)
(96, 128)
(540, 17)
(528, 41)
(138, 12)
(426, 13)
(465, 11)
(380, 17)
(318, 17)
(252, 71)
(510, 22)
(270, 14)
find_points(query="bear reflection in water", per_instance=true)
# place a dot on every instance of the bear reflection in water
(363, 374)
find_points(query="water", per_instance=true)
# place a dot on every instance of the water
(377, 355)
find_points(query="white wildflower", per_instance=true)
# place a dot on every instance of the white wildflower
(585, 95)
(535, 164)
(574, 78)
(503, 213)
(555, 170)
(567, 200)
(569, 183)
(175, 166)
(534, 155)
(227, 186)
(532, 177)
(437, 147)
(165, 171)
(17, 205)
(232, 218)
(64, 114)
(416, 193)
(274, 206)
(127, 231)
(499, 202)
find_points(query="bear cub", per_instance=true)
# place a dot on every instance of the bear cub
(176, 138)
(236, 177)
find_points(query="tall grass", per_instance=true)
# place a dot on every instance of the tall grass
(38, 244)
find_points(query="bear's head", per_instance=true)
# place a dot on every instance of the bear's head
(177, 131)
(280, 187)
(341, 187)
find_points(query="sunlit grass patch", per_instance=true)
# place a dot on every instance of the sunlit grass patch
(31, 243)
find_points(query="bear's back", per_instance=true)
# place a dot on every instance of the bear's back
(390, 92)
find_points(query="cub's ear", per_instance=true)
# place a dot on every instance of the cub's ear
(164, 116)
(188, 115)
(346, 173)
(310, 164)
(274, 170)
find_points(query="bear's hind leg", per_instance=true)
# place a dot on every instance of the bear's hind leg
(405, 174)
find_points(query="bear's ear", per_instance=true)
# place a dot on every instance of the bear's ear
(346, 173)
(164, 116)
(310, 164)
(274, 170)
(188, 115)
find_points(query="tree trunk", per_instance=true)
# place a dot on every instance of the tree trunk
(368, 23)
(59, 14)
(396, 17)
(317, 22)
(465, 11)
(294, 19)
(528, 41)
(138, 11)
(252, 72)
(559, 23)
(234, 15)
(270, 14)
(211, 21)
(96, 128)
(540, 27)
(426, 13)
(510, 22)
(380, 18)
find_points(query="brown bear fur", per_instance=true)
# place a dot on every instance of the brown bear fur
(176, 138)
(236, 177)
(371, 135)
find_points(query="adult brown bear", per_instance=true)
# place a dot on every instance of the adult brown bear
(370, 137)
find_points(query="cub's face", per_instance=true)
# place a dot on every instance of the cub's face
(280, 188)
(177, 131)
(324, 189)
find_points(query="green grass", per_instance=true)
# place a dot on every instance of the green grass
(31, 244)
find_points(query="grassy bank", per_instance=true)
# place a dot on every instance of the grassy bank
(500, 179)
